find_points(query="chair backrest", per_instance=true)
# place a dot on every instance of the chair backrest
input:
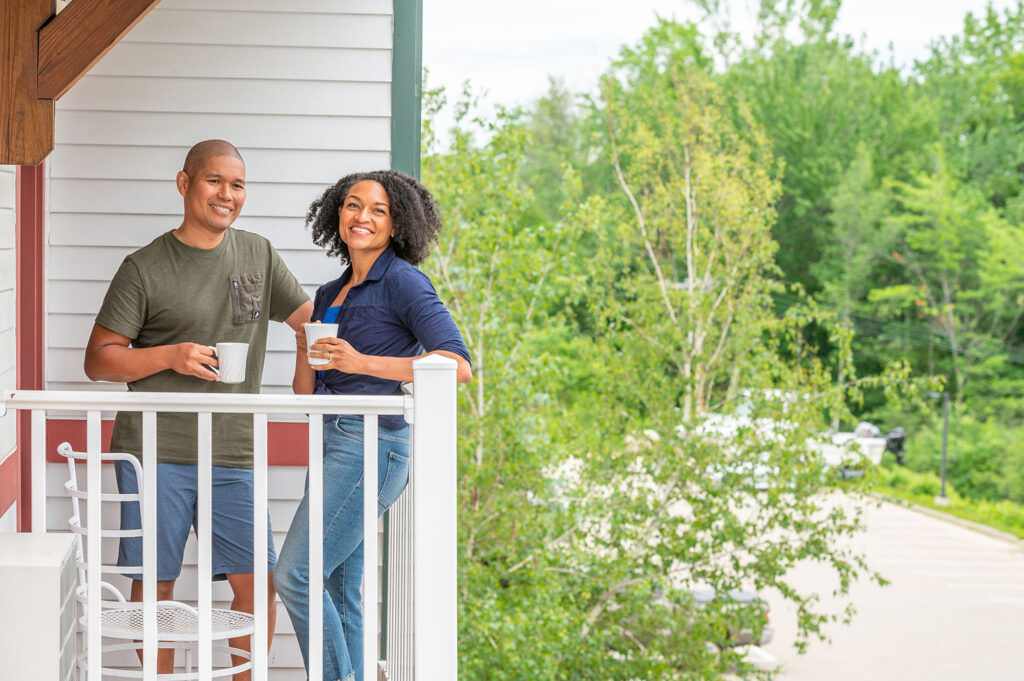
(82, 529)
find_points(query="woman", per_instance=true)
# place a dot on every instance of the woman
(381, 224)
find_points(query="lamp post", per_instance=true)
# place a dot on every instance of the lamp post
(942, 499)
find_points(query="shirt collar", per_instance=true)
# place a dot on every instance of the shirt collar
(378, 268)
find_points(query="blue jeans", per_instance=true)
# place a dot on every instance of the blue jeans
(343, 542)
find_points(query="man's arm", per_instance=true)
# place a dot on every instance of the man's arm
(109, 357)
(304, 379)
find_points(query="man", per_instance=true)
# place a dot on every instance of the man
(193, 287)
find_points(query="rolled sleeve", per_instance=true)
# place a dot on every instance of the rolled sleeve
(416, 303)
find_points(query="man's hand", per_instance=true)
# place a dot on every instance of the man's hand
(193, 359)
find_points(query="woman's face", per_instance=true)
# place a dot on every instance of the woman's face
(364, 219)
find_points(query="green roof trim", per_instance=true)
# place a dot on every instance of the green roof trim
(406, 86)
(406, 115)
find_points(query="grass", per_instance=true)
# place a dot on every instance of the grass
(922, 488)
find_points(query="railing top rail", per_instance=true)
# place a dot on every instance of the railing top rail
(235, 403)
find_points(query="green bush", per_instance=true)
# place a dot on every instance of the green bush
(984, 458)
(928, 487)
(922, 488)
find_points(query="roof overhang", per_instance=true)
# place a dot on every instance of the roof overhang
(45, 53)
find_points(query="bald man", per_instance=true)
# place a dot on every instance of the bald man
(168, 304)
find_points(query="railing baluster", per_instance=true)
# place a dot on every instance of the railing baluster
(409, 599)
(93, 569)
(370, 546)
(205, 567)
(406, 539)
(316, 547)
(149, 567)
(259, 551)
(38, 470)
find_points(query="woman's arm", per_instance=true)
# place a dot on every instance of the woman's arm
(343, 357)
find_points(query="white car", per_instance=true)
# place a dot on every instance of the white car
(841, 450)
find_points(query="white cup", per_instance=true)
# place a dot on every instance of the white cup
(231, 361)
(314, 332)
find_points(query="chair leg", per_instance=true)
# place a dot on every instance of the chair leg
(188, 659)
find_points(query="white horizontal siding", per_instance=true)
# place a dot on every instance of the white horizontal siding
(245, 130)
(306, 6)
(270, 96)
(9, 519)
(305, 94)
(231, 27)
(208, 61)
(8, 351)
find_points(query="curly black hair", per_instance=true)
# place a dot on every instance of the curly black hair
(415, 216)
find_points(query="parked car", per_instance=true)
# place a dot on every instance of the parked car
(760, 634)
(847, 449)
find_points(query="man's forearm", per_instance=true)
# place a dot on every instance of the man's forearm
(116, 363)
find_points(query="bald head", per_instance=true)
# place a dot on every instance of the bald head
(201, 153)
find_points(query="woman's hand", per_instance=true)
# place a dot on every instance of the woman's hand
(340, 354)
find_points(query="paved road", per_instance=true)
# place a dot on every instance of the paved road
(954, 610)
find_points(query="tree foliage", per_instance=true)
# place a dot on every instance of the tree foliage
(670, 290)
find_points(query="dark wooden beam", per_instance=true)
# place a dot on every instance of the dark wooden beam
(26, 122)
(79, 36)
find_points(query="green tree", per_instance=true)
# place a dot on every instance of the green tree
(958, 274)
(507, 281)
(975, 81)
(707, 395)
(821, 102)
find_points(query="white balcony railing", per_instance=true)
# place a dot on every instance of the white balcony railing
(422, 627)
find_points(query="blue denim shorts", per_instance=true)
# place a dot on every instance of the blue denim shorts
(177, 498)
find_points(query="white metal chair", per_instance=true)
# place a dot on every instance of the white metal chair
(177, 623)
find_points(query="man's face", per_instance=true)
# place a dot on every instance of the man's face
(214, 197)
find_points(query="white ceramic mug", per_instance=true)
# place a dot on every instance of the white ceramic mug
(231, 361)
(314, 332)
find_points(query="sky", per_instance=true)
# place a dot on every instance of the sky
(508, 50)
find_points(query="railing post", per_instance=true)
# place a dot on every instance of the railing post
(94, 460)
(259, 548)
(38, 470)
(370, 485)
(316, 547)
(204, 567)
(150, 645)
(435, 608)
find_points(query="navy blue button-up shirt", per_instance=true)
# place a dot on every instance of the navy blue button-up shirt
(394, 312)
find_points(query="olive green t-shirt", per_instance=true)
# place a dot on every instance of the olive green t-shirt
(169, 292)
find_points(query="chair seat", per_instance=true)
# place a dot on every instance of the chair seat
(173, 624)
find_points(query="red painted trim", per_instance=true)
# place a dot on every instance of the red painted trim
(29, 315)
(286, 442)
(9, 480)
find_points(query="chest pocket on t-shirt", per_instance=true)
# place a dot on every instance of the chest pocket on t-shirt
(247, 297)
